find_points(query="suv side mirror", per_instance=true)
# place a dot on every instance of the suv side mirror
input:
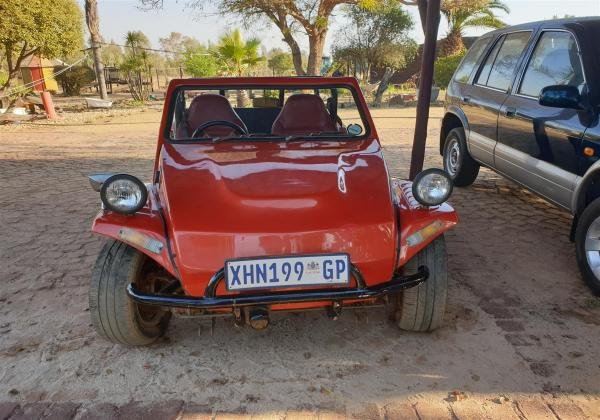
(561, 96)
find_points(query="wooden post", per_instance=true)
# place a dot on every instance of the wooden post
(48, 105)
(426, 81)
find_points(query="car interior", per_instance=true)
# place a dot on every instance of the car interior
(211, 115)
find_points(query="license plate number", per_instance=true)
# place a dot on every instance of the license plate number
(273, 272)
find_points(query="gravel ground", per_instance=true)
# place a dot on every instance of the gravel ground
(520, 338)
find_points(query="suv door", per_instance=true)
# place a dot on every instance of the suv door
(538, 146)
(482, 100)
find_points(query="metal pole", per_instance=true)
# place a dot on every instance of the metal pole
(426, 81)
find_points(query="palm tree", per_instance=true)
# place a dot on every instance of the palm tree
(136, 62)
(236, 57)
(462, 14)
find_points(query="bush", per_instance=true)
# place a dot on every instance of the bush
(74, 79)
(445, 68)
(198, 64)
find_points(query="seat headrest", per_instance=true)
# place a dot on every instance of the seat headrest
(301, 114)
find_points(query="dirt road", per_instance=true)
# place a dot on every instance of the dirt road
(521, 337)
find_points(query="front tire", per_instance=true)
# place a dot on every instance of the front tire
(587, 245)
(421, 308)
(458, 163)
(114, 315)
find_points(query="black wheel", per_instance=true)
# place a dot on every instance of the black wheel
(587, 245)
(459, 164)
(421, 308)
(116, 317)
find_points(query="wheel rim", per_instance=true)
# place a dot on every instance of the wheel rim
(149, 316)
(592, 247)
(452, 157)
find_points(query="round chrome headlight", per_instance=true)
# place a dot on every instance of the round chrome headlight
(432, 187)
(123, 193)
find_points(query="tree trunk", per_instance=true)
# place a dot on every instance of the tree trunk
(316, 42)
(93, 24)
(7, 100)
(383, 85)
(296, 53)
(427, 63)
(242, 96)
(453, 44)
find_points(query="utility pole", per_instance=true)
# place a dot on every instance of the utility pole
(93, 24)
(430, 23)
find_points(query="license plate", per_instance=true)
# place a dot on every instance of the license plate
(273, 272)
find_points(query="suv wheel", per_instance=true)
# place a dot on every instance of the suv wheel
(114, 315)
(458, 163)
(587, 245)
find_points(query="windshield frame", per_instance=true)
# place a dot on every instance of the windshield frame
(261, 137)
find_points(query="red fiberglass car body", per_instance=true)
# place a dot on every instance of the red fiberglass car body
(282, 205)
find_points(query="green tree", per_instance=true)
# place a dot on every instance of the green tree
(178, 44)
(445, 67)
(74, 79)
(237, 56)
(48, 28)
(137, 41)
(136, 65)
(280, 62)
(112, 54)
(198, 62)
(376, 38)
(309, 18)
(463, 14)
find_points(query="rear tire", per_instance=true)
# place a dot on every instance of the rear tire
(588, 257)
(421, 308)
(114, 315)
(458, 163)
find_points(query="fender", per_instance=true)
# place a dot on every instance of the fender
(414, 217)
(148, 222)
(581, 184)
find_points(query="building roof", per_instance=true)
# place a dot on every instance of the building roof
(34, 61)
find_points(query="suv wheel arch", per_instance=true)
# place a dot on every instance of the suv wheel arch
(585, 193)
(451, 120)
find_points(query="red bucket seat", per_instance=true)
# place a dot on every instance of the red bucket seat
(206, 108)
(302, 114)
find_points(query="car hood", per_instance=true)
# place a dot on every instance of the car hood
(236, 200)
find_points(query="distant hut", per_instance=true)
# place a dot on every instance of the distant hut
(40, 71)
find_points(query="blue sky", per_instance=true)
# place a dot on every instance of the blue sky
(119, 16)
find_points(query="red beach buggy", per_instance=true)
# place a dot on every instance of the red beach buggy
(268, 194)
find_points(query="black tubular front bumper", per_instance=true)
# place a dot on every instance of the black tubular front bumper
(211, 301)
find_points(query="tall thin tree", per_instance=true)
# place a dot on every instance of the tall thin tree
(93, 24)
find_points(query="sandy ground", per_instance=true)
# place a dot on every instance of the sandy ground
(521, 336)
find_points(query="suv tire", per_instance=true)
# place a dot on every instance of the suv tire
(421, 308)
(458, 163)
(588, 257)
(114, 315)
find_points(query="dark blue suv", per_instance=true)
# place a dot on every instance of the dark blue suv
(525, 102)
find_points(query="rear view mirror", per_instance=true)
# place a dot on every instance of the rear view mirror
(561, 96)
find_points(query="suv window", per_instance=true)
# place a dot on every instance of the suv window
(464, 70)
(555, 61)
(500, 65)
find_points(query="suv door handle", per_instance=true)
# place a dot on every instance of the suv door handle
(466, 99)
(510, 112)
